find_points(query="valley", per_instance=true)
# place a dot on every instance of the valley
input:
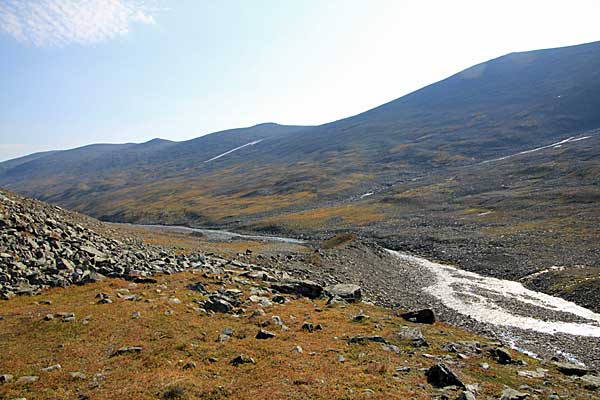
(494, 169)
(443, 245)
(216, 315)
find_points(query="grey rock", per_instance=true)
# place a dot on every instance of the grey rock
(225, 335)
(572, 369)
(425, 316)
(279, 299)
(51, 368)
(441, 376)
(25, 380)
(242, 359)
(127, 350)
(412, 335)
(218, 305)
(78, 375)
(262, 334)
(591, 382)
(349, 292)
(189, 365)
(466, 395)
(502, 356)
(360, 317)
(538, 373)
(511, 394)
(299, 287)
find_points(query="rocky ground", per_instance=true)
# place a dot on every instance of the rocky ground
(236, 330)
(45, 246)
(401, 284)
(270, 321)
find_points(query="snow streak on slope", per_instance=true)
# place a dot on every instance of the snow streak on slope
(232, 150)
(491, 300)
(554, 145)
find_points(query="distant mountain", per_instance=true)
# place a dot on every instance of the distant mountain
(416, 172)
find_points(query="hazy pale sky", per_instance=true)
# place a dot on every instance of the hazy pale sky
(113, 71)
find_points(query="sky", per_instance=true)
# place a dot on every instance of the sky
(75, 72)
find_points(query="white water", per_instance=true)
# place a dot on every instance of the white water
(473, 295)
(232, 150)
(553, 145)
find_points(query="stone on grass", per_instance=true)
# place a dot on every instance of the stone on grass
(349, 292)
(511, 394)
(190, 365)
(78, 375)
(425, 316)
(127, 350)
(242, 359)
(262, 334)
(538, 373)
(299, 287)
(52, 368)
(591, 382)
(412, 335)
(501, 355)
(25, 380)
(466, 395)
(572, 369)
(441, 376)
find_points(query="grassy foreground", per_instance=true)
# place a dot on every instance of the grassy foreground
(173, 333)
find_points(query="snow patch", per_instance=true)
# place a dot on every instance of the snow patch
(237, 148)
(366, 195)
(553, 145)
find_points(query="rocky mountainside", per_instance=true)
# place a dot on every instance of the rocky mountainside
(224, 328)
(45, 246)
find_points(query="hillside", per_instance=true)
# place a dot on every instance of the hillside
(480, 169)
(226, 327)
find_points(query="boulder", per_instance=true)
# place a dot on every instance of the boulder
(412, 335)
(425, 316)
(466, 395)
(349, 292)
(590, 382)
(26, 380)
(218, 305)
(242, 359)
(441, 376)
(262, 334)
(572, 369)
(127, 350)
(501, 355)
(299, 287)
(511, 394)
